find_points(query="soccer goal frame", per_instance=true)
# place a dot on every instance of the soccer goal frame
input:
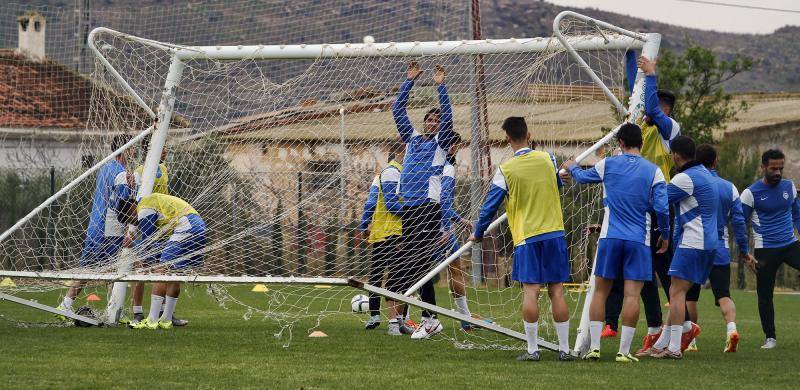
(621, 40)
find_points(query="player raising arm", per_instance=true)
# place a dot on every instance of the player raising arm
(772, 206)
(528, 183)
(631, 187)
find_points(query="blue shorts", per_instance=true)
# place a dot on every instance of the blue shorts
(630, 260)
(692, 264)
(153, 255)
(181, 249)
(541, 262)
(100, 252)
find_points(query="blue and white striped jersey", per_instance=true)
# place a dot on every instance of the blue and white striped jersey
(110, 187)
(420, 181)
(632, 187)
(774, 212)
(449, 214)
(695, 193)
(730, 210)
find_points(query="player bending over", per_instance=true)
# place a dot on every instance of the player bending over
(104, 236)
(730, 210)
(384, 230)
(773, 208)
(158, 215)
(694, 192)
(420, 184)
(632, 186)
(449, 241)
(529, 184)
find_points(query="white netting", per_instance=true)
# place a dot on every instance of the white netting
(279, 174)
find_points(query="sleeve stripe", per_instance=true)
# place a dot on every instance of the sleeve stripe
(684, 182)
(499, 180)
(658, 177)
(747, 197)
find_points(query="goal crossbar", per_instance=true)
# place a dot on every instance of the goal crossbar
(47, 275)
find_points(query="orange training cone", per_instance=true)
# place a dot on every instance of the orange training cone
(93, 298)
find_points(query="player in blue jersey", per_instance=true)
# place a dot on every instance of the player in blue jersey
(420, 187)
(449, 241)
(632, 186)
(694, 193)
(773, 209)
(104, 235)
(528, 183)
(730, 211)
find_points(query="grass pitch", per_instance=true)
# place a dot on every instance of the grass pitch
(221, 350)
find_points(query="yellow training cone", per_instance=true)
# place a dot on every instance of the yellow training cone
(259, 288)
(7, 282)
(322, 286)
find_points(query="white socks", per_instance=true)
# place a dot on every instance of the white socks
(625, 339)
(595, 328)
(675, 338)
(663, 340)
(562, 330)
(461, 304)
(651, 331)
(687, 326)
(169, 308)
(67, 302)
(731, 327)
(138, 310)
(532, 334)
(155, 307)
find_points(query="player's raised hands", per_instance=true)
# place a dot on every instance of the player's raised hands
(647, 65)
(438, 77)
(414, 70)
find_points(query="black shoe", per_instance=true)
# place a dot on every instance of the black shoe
(175, 320)
(137, 317)
(529, 357)
(565, 356)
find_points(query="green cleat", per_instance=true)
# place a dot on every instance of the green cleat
(144, 324)
(626, 358)
(592, 355)
(60, 317)
(164, 324)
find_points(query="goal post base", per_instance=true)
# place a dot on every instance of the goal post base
(359, 284)
(39, 306)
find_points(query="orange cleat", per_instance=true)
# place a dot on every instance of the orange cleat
(732, 342)
(411, 324)
(608, 332)
(687, 337)
(647, 344)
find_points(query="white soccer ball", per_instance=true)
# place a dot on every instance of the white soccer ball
(369, 39)
(359, 303)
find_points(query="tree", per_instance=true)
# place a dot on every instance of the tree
(697, 78)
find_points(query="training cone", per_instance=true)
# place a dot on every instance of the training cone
(93, 298)
(322, 286)
(7, 282)
(317, 333)
(259, 288)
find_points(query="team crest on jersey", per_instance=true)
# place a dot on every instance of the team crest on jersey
(785, 195)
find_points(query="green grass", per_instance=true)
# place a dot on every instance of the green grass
(220, 350)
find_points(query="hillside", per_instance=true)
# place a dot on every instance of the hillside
(250, 21)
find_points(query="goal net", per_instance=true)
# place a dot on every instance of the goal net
(276, 148)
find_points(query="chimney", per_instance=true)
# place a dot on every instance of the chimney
(31, 28)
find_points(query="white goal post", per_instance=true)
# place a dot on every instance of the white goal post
(606, 37)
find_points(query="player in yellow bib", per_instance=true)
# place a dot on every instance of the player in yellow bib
(160, 216)
(528, 183)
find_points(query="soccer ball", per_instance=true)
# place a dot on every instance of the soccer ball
(369, 39)
(359, 303)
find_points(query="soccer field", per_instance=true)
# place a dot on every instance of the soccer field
(220, 349)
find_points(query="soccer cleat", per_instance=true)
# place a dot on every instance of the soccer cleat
(467, 327)
(144, 324)
(529, 357)
(732, 342)
(592, 355)
(428, 328)
(179, 321)
(137, 317)
(405, 329)
(687, 337)
(411, 324)
(770, 344)
(647, 344)
(394, 329)
(164, 324)
(373, 322)
(626, 358)
(608, 332)
(60, 317)
(693, 346)
(565, 356)
(665, 354)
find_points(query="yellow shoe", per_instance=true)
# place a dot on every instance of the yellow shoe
(164, 324)
(692, 346)
(592, 355)
(144, 324)
(732, 342)
(60, 317)
(626, 358)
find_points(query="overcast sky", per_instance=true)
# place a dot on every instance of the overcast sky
(702, 16)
